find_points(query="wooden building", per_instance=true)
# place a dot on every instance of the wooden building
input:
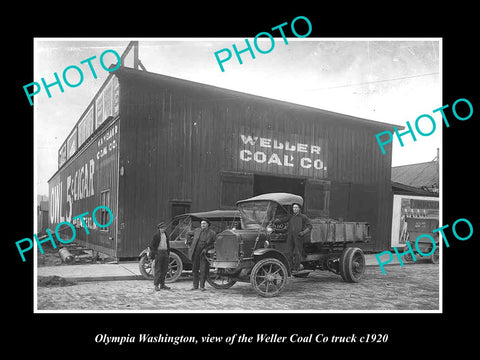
(151, 146)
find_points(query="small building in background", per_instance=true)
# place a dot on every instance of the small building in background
(415, 200)
(42, 214)
(422, 177)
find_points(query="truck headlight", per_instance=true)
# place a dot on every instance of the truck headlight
(269, 230)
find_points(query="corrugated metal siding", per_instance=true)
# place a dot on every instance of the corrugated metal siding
(177, 137)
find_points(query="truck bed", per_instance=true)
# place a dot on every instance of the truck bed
(328, 231)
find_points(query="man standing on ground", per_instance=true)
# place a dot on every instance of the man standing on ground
(160, 252)
(199, 242)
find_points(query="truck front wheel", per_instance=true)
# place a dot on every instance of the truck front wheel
(269, 276)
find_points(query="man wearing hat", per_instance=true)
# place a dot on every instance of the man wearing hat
(160, 251)
(200, 240)
(299, 228)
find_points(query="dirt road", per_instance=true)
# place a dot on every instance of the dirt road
(413, 287)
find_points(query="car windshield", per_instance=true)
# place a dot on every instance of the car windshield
(180, 229)
(256, 214)
(181, 226)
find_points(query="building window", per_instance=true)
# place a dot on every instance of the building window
(317, 197)
(234, 187)
(104, 215)
(180, 207)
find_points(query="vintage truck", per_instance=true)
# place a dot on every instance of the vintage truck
(257, 252)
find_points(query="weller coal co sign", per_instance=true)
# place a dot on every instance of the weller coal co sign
(279, 153)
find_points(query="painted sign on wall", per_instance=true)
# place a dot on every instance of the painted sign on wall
(106, 104)
(291, 154)
(75, 189)
(407, 207)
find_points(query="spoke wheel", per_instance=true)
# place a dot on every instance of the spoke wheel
(302, 274)
(352, 264)
(175, 268)
(219, 280)
(269, 277)
(145, 266)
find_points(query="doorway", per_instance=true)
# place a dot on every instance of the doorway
(269, 184)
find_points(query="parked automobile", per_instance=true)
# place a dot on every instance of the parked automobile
(257, 252)
(178, 228)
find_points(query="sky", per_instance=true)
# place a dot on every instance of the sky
(389, 80)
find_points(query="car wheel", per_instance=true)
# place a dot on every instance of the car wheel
(352, 264)
(269, 277)
(175, 268)
(408, 257)
(435, 256)
(145, 266)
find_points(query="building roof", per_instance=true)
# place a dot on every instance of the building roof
(212, 92)
(421, 175)
(401, 189)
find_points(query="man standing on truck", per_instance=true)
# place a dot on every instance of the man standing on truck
(299, 226)
(160, 252)
(200, 241)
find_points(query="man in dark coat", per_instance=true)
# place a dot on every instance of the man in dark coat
(299, 227)
(160, 252)
(199, 241)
